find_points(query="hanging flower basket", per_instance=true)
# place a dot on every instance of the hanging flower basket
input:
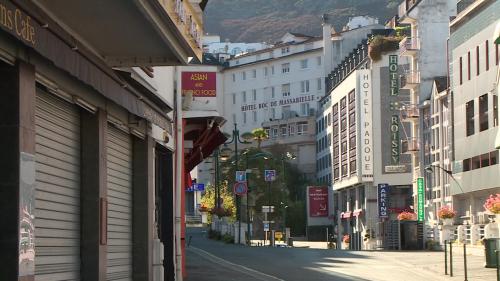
(346, 239)
(492, 204)
(407, 216)
(446, 212)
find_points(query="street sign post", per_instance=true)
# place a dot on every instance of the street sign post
(270, 175)
(240, 188)
(266, 227)
(420, 199)
(268, 209)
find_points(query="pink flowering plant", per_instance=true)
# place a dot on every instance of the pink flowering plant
(492, 204)
(346, 238)
(407, 216)
(446, 212)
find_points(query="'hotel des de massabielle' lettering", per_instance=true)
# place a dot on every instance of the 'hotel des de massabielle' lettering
(277, 103)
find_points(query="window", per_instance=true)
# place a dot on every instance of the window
(275, 132)
(265, 71)
(244, 75)
(343, 147)
(466, 165)
(494, 157)
(487, 55)
(320, 83)
(254, 113)
(244, 96)
(272, 70)
(318, 60)
(254, 94)
(302, 128)
(303, 63)
(244, 117)
(284, 131)
(468, 65)
(483, 112)
(234, 77)
(234, 98)
(352, 142)
(485, 160)
(342, 103)
(329, 118)
(495, 110)
(329, 139)
(254, 73)
(496, 54)
(285, 111)
(343, 124)
(344, 170)
(469, 117)
(291, 129)
(273, 95)
(285, 90)
(476, 162)
(336, 173)
(304, 109)
(304, 86)
(461, 71)
(285, 50)
(273, 113)
(352, 166)
(285, 68)
(477, 60)
(352, 119)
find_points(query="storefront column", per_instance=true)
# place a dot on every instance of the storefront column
(94, 194)
(143, 208)
(17, 171)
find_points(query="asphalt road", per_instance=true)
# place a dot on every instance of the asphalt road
(209, 260)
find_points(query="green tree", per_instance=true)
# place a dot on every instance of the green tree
(259, 135)
(228, 206)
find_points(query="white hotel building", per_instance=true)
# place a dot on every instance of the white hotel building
(358, 139)
(288, 79)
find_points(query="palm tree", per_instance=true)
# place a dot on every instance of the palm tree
(259, 134)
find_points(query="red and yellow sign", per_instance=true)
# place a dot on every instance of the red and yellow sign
(202, 84)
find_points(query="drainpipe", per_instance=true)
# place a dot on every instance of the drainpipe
(179, 151)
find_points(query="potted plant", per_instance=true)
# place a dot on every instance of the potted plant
(407, 216)
(446, 214)
(492, 205)
(346, 239)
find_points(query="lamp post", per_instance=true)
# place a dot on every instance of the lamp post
(430, 169)
(236, 139)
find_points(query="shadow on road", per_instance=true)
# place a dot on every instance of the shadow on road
(290, 264)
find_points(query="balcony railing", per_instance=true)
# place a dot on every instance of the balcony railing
(187, 19)
(409, 112)
(410, 80)
(410, 145)
(409, 46)
(405, 6)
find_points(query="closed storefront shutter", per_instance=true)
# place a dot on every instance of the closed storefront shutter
(57, 203)
(119, 162)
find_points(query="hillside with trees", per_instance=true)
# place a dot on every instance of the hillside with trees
(268, 20)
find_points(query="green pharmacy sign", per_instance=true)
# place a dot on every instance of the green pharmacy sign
(420, 199)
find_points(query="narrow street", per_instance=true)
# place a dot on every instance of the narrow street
(209, 260)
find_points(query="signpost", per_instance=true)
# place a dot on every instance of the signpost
(383, 200)
(420, 199)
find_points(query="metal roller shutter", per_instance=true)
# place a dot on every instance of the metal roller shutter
(57, 203)
(119, 146)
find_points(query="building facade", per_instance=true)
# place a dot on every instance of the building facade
(474, 59)
(88, 145)
(359, 128)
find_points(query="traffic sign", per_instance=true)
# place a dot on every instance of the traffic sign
(278, 235)
(270, 175)
(241, 176)
(240, 188)
(268, 221)
(268, 209)
(266, 227)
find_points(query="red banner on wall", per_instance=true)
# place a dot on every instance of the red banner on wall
(202, 84)
(318, 201)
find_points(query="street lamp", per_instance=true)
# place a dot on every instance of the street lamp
(226, 151)
(430, 169)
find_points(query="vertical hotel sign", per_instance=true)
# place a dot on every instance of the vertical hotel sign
(366, 123)
(394, 88)
(199, 84)
(420, 199)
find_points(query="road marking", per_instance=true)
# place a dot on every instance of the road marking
(236, 267)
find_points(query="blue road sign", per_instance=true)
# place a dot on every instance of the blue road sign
(241, 176)
(270, 175)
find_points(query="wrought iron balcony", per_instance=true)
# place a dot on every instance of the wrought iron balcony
(410, 145)
(409, 46)
(409, 112)
(410, 80)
